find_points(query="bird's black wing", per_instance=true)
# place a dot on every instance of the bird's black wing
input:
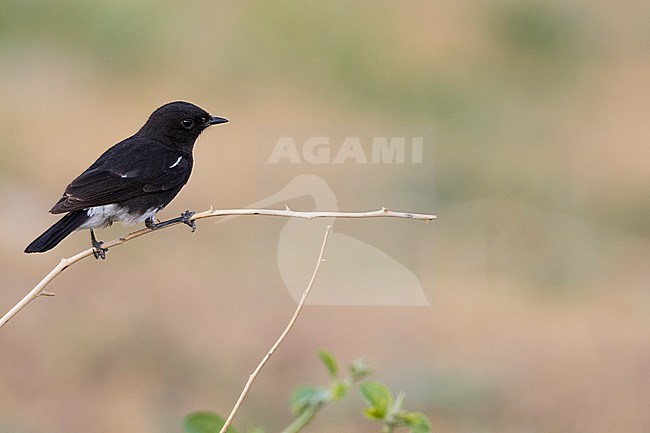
(129, 169)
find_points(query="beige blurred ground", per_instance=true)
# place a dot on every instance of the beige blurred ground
(537, 268)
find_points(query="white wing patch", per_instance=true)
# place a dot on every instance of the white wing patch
(177, 162)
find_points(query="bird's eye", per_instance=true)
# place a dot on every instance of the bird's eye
(187, 123)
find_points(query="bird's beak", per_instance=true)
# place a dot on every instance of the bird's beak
(215, 121)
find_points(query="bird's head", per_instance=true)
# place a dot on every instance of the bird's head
(179, 124)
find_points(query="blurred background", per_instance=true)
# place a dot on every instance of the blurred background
(537, 269)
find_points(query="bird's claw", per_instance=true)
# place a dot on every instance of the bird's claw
(99, 251)
(186, 219)
(151, 224)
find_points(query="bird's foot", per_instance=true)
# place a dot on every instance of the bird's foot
(99, 251)
(151, 224)
(185, 218)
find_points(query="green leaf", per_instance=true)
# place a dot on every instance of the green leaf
(302, 420)
(204, 422)
(417, 422)
(399, 403)
(306, 397)
(377, 395)
(330, 363)
(372, 413)
(338, 390)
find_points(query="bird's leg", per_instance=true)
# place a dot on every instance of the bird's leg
(100, 252)
(185, 218)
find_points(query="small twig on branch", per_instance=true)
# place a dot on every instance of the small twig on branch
(280, 339)
(65, 263)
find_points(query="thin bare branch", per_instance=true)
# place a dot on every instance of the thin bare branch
(383, 212)
(66, 262)
(280, 339)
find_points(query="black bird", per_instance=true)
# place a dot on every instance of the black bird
(134, 179)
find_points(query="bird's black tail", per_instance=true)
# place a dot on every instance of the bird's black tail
(57, 232)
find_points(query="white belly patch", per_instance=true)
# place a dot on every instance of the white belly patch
(104, 216)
